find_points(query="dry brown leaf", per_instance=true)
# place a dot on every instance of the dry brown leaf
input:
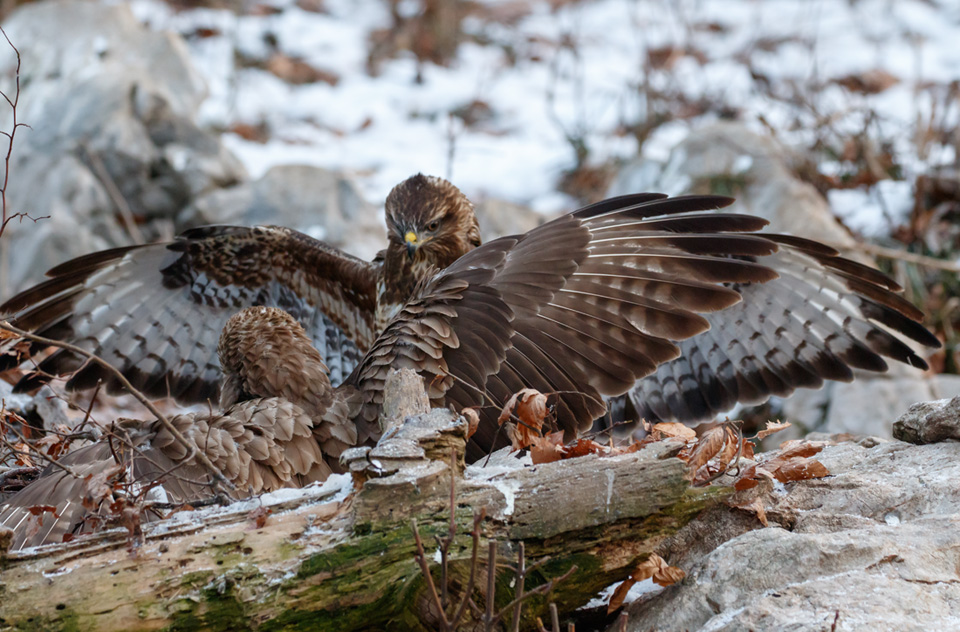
(583, 447)
(747, 452)
(259, 516)
(709, 446)
(547, 449)
(755, 506)
(616, 600)
(751, 476)
(673, 429)
(530, 407)
(23, 454)
(656, 567)
(772, 427)
(98, 486)
(801, 448)
(473, 420)
(733, 442)
(38, 510)
(668, 575)
(7, 335)
(800, 469)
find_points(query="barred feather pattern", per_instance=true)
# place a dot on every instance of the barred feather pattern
(280, 424)
(260, 445)
(155, 312)
(823, 317)
(692, 303)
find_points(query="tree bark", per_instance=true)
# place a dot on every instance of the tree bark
(322, 562)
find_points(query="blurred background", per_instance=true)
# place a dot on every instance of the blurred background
(834, 119)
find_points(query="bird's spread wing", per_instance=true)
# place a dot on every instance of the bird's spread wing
(259, 445)
(821, 318)
(156, 311)
(582, 306)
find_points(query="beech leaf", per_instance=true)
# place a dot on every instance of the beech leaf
(772, 427)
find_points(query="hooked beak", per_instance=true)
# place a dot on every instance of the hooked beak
(412, 242)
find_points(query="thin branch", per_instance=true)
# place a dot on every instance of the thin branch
(126, 214)
(539, 590)
(900, 255)
(474, 563)
(521, 577)
(218, 476)
(488, 617)
(425, 570)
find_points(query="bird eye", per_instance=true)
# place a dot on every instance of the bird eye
(434, 225)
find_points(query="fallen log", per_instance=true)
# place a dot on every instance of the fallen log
(342, 556)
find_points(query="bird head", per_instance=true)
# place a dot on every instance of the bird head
(430, 221)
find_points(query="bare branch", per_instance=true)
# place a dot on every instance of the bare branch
(218, 476)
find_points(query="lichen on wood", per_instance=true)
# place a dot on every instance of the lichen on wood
(327, 562)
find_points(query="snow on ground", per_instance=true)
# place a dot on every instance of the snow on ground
(578, 70)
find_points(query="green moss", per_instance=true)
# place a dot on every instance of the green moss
(218, 609)
(65, 620)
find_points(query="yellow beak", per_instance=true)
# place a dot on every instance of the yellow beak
(412, 243)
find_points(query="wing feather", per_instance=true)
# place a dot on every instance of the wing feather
(156, 311)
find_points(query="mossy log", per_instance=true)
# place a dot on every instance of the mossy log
(329, 560)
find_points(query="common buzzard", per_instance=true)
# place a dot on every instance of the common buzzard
(589, 304)
(156, 311)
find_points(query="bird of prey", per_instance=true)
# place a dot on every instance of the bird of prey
(280, 424)
(156, 311)
(586, 305)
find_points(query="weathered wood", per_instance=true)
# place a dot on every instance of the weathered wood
(325, 562)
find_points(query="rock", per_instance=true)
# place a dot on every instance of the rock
(112, 106)
(866, 405)
(499, 218)
(321, 203)
(874, 546)
(728, 158)
(930, 422)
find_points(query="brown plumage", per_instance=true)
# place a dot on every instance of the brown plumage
(589, 304)
(429, 226)
(280, 424)
(628, 290)
(155, 311)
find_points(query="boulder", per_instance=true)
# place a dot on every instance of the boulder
(930, 422)
(875, 546)
(113, 153)
(729, 159)
(321, 203)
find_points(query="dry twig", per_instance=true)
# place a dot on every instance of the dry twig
(192, 452)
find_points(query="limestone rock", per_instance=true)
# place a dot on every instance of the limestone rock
(930, 422)
(873, 546)
(111, 105)
(499, 218)
(318, 202)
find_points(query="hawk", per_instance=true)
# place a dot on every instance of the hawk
(280, 424)
(155, 311)
(585, 306)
